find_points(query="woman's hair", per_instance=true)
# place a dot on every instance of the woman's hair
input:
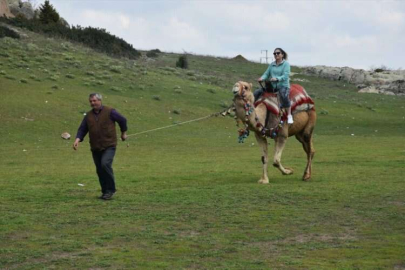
(283, 52)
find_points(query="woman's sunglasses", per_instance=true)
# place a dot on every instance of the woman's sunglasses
(276, 53)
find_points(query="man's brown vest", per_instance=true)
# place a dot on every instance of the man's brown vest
(101, 129)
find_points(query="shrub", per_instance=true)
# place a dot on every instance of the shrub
(23, 81)
(6, 32)
(156, 97)
(4, 54)
(152, 54)
(182, 62)
(70, 76)
(116, 69)
(115, 89)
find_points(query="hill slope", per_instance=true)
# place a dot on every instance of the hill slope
(187, 196)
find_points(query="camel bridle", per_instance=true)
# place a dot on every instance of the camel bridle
(249, 108)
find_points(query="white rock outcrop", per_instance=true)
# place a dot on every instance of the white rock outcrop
(390, 82)
(20, 8)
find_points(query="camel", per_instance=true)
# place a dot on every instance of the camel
(254, 119)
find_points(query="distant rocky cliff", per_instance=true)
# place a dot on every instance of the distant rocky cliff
(4, 9)
(382, 82)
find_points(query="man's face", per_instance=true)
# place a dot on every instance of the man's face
(95, 103)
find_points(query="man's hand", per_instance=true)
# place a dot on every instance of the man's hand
(124, 136)
(76, 144)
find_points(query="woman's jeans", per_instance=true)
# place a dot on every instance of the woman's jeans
(284, 94)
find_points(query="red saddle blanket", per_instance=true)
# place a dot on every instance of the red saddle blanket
(300, 100)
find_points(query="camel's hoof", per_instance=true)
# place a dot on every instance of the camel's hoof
(262, 181)
(306, 177)
(288, 171)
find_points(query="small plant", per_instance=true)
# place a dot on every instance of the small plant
(70, 76)
(210, 90)
(23, 81)
(324, 112)
(182, 62)
(178, 91)
(116, 69)
(152, 54)
(224, 104)
(2, 72)
(4, 54)
(115, 89)
(177, 111)
(156, 97)
(10, 77)
(54, 78)
(55, 87)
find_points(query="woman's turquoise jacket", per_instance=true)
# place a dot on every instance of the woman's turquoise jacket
(281, 72)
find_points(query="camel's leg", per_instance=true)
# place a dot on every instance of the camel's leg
(306, 141)
(265, 159)
(305, 137)
(280, 143)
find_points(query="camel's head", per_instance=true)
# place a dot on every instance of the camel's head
(242, 89)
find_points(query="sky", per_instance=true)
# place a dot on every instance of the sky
(357, 34)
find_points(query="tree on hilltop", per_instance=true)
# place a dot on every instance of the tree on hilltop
(48, 14)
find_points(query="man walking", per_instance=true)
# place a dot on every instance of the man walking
(100, 124)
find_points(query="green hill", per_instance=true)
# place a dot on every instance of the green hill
(188, 195)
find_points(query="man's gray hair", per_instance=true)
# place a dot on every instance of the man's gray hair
(97, 95)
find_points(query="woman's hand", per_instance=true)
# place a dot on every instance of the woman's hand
(274, 80)
(260, 79)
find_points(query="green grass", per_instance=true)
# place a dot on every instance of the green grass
(188, 196)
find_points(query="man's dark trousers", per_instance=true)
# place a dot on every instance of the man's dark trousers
(103, 161)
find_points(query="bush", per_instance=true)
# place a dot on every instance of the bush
(116, 69)
(152, 54)
(182, 62)
(6, 32)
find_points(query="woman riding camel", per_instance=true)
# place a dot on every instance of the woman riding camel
(278, 73)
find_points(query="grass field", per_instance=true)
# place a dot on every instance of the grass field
(188, 196)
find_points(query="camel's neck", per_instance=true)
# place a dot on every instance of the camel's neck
(245, 112)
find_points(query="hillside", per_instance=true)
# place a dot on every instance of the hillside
(188, 195)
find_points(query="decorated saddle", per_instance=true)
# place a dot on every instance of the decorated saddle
(300, 101)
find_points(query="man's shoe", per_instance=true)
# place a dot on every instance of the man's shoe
(107, 196)
(290, 119)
